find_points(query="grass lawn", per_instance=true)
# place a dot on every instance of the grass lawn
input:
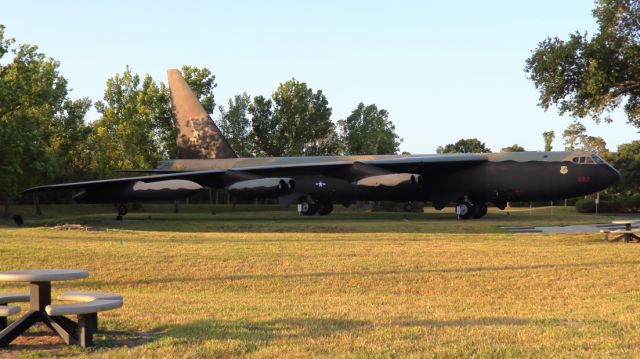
(271, 284)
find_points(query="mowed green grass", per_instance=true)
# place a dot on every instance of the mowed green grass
(271, 284)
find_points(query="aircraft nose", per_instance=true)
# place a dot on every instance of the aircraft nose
(613, 175)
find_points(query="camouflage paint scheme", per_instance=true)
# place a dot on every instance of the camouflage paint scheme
(469, 180)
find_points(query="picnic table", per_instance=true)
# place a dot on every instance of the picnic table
(40, 297)
(627, 234)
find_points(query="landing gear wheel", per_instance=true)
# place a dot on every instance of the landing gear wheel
(481, 210)
(408, 207)
(122, 210)
(308, 208)
(466, 210)
(325, 207)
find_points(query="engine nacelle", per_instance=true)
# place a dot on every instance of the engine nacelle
(390, 180)
(140, 191)
(262, 187)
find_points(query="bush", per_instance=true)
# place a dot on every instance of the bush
(619, 205)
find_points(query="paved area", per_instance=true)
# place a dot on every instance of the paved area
(579, 228)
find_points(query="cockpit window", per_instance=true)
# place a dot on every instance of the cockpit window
(587, 160)
(598, 160)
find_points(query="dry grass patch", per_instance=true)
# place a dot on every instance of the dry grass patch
(345, 294)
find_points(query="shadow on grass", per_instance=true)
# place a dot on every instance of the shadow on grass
(467, 322)
(256, 334)
(604, 325)
(355, 273)
(44, 343)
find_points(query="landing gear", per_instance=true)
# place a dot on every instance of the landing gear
(468, 209)
(325, 207)
(309, 207)
(481, 210)
(122, 210)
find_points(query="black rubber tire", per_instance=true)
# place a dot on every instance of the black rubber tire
(325, 207)
(119, 217)
(123, 210)
(470, 212)
(480, 210)
(308, 208)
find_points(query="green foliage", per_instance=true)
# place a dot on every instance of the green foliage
(572, 135)
(513, 148)
(468, 145)
(575, 137)
(591, 76)
(614, 205)
(202, 82)
(368, 131)
(135, 119)
(548, 137)
(32, 94)
(627, 161)
(236, 125)
(295, 122)
(594, 144)
(69, 141)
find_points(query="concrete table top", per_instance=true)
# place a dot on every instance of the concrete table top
(625, 221)
(42, 275)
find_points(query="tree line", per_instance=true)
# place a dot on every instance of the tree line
(45, 137)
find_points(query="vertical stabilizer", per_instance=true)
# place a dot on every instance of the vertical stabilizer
(198, 135)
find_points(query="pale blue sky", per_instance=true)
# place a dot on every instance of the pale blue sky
(444, 70)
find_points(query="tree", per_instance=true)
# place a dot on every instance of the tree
(295, 122)
(469, 145)
(135, 123)
(576, 138)
(32, 92)
(548, 137)
(202, 82)
(573, 134)
(513, 148)
(368, 131)
(627, 161)
(69, 141)
(594, 144)
(236, 125)
(591, 76)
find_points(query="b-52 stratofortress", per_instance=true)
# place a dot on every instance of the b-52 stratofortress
(469, 180)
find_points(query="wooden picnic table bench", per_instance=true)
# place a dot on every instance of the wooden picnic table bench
(53, 315)
(626, 234)
(87, 308)
(6, 310)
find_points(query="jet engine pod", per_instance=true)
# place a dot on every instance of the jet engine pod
(262, 187)
(140, 191)
(390, 180)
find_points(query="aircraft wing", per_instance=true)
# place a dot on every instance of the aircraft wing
(210, 177)
(195, 176)
(429, 159)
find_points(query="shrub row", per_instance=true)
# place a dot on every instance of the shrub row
(619, 205)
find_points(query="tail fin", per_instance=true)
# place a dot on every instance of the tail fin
(198, 135)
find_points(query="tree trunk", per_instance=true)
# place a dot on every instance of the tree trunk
(36, 203)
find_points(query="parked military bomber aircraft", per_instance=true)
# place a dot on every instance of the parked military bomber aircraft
(316, 183)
